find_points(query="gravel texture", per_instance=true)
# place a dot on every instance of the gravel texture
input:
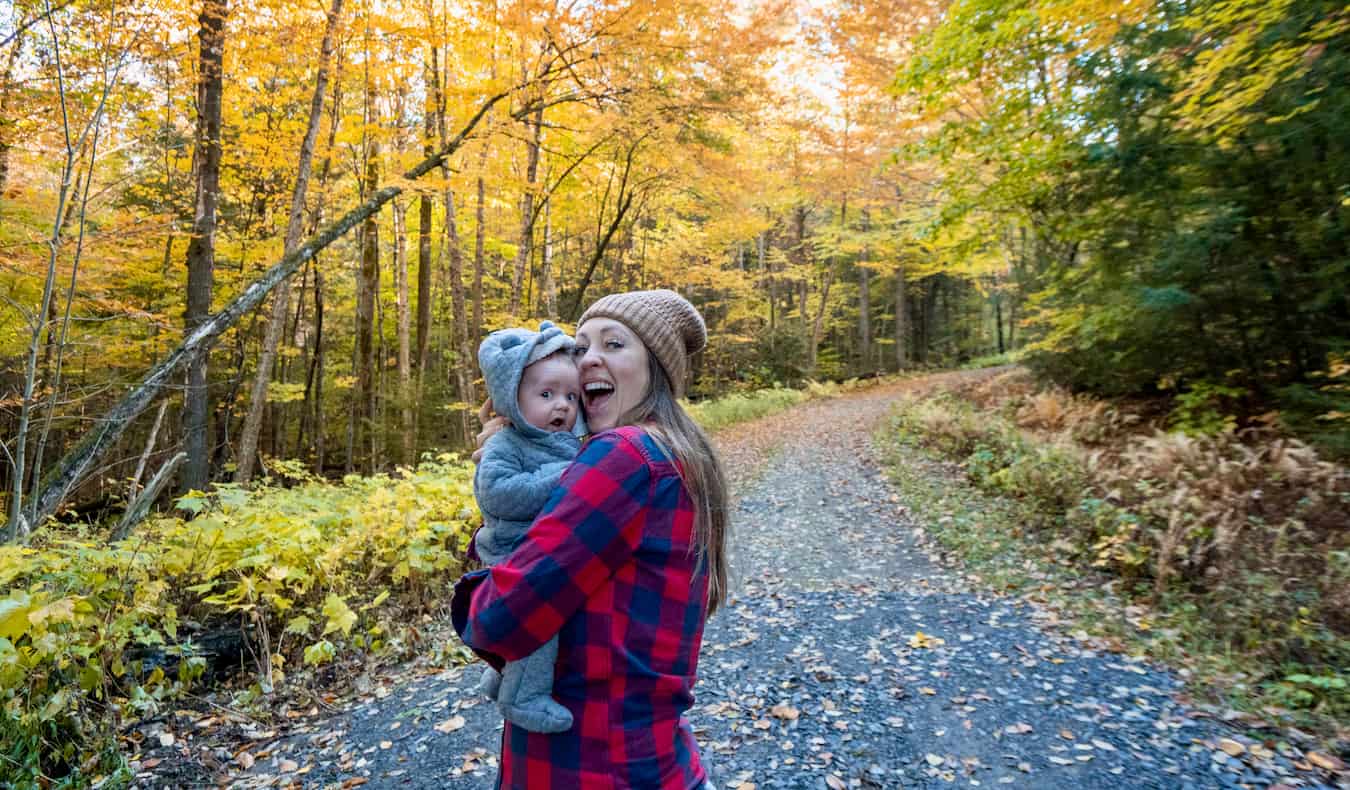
(848, 656)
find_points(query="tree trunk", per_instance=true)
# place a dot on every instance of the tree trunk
(276, 323)
(196, 470)
(480, 230)
(368, 281)
(817, 324)
(527, 211)
(140, 505)
(864, 318)
(406, 396)
(423, 278)
(316, 373)
(6, 88)
(547, 286)
(998, 321)
(901, 320)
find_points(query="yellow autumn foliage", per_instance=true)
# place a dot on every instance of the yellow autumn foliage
(87, 628)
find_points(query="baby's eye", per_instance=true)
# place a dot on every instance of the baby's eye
(572, 397)
(546, 394)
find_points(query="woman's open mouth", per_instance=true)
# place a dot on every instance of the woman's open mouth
(597, 393)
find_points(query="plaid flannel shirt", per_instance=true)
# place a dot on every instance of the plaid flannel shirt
(608, 567)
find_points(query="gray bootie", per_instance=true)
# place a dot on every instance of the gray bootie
(540, 714)
(490, 683)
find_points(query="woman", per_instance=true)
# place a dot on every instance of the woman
(624, 565)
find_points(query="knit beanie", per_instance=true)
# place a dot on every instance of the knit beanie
(668, 325)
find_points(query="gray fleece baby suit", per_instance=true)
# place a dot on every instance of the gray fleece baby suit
(520, 468)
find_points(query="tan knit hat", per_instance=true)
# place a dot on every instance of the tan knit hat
(668, 325)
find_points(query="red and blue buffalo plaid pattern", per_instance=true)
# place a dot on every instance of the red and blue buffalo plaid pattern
(608, 566)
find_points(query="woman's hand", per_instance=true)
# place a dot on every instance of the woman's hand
(491, 424)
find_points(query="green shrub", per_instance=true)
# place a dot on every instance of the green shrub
(1204, 409)
(88, 629)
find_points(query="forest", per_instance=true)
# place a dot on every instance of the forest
(1139, 200)
(253, 243)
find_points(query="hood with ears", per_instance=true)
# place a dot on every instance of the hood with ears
(503, 357)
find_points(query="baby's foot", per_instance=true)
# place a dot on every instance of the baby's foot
(490, 683)
(541, 714)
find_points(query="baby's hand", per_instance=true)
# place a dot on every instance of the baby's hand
(491, 424)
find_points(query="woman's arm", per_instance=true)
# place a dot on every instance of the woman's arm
(591, 528)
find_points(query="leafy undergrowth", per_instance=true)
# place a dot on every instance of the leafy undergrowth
(1227, 553)
(285, 580)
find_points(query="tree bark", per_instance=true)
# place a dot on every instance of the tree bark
(196, 471)
(6, 89)
(479, 234)
(140, 506)
(407, 399)
(547, 286)
(527, 211)
(864, 319)
(276, 323)
(901, 320)
(998, 321)
(818, 322)
(135, 484)
(424, 208)
(865, 300)
(368, 281)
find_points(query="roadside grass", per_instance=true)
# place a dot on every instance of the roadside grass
(1028, 513)
(713, 415)
(738, 407)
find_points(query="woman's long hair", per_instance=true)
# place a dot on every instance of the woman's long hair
(700, 468)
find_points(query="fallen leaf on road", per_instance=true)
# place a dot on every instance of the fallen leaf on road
(920, 640)
(450, 725)
(785, 711)
(1231, 747)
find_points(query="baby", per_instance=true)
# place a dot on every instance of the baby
(533, 381)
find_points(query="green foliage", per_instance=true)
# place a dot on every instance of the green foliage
(740, 407)
(1174, 176)
(88, 629)
(1200, 411)
(1329, 694)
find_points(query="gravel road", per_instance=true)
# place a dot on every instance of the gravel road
(847, 657)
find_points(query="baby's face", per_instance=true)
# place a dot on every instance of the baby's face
(550, 393)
